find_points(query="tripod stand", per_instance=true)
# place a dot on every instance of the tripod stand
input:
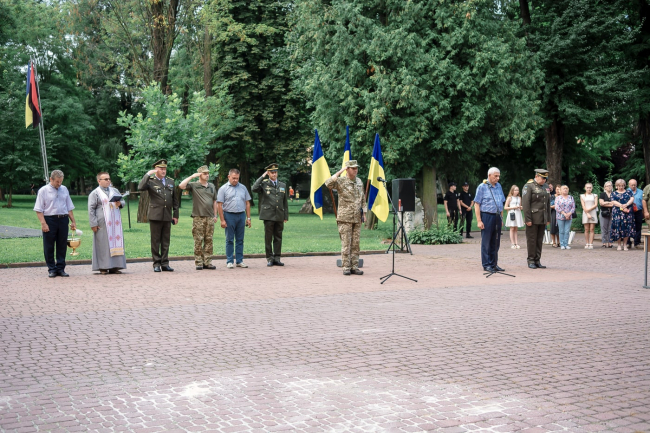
(393, 245)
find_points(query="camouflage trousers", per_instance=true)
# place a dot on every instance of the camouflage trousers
(202, 231)
(350, 234)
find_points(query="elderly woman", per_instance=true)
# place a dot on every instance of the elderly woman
(589, 203)
(564, 208)
(622, 215)
(606, 205)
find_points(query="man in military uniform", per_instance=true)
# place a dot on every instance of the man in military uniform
(204, 215)
(349, 216)
(164, 200)
(274, 211)
(536, 202)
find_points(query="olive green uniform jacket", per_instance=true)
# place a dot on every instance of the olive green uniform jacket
(536, 202)
(273, 199)
(164, 200)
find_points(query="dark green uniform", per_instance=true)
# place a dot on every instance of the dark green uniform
(536, 202)
(163, 207)
(274, 211)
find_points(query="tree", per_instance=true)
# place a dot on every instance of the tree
(442, 82)
(589, 83)
(165, 132)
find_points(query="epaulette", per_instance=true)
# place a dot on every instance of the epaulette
(170, 178)
(152, 176)
(530, 181)
(265, 180)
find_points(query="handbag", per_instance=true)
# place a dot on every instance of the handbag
(512, 216)
(606, 212)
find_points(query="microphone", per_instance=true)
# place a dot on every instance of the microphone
(380, 179)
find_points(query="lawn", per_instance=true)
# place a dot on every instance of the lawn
(303, 233)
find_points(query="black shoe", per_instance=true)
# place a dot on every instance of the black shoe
(63, 274)
(470, 237)
(211, 267)
(166, 268)
(540, 266)
(489, 269)
(269, 263)
(156, 268)
(499, 269)
(278, 263)
(532, 266)
(346, 272)
(52, 274)
(199, 268)
(356, 271)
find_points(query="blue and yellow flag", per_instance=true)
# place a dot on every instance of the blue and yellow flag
(32, 110)
(347, 154)
(377, 196)
(320, 172)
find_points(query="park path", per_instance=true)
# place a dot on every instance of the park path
(304, 348)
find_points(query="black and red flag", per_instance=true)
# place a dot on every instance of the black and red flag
(32, 109)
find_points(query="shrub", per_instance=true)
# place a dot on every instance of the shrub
(440, 234)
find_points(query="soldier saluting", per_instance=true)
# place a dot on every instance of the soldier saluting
(536, 202)
(274, 211)
(164, 201)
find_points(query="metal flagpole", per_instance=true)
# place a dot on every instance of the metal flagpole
(41, 131)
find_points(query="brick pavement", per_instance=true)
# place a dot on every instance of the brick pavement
(303, 348)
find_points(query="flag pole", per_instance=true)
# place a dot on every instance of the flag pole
(41, 130)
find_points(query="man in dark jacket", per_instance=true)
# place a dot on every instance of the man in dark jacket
(164, 201)
(274, 211)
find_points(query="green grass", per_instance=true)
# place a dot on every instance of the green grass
(303, 233)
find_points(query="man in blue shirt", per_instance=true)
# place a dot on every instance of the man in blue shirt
(638, 214)
(234, 207)
(488, 203)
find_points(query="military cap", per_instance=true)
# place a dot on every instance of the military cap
(160, 163)
(451, 184)
(541, 172)
(351, 163)
(465, 184)
(203, 169)
(272, 167)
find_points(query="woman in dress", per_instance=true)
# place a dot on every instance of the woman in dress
(555, 236)
(622, 215)
(606, 215)
(589, 202)
(514, 219)
(564, 208)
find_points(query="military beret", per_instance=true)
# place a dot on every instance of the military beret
(160, 163)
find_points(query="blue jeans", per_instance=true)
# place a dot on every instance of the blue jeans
(564, 228)
(490, 239)
(236, 224)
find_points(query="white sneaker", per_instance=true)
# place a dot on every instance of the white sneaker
(242, 265)
(230, 266)
(513, 246)
(568, 247)
(563, 248)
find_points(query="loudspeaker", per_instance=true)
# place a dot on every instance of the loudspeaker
(404, 189)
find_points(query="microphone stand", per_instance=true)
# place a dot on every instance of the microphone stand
(494, 271)
(393, 245)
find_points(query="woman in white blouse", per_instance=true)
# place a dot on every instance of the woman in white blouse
(589, 202)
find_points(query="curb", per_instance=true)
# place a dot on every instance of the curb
(219, 257)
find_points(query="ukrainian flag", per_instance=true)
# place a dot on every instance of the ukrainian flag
(32, 110)
(377, 196)
(347, 155)
(320, 172)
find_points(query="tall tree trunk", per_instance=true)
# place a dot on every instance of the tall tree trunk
(162, 39)
(2, 194)
(644, 131)
(143, 207)
(11, 194)
(554, 148)
(429, 196)
(82, 186)
(524, 12)
(245, 178)
(207, 62)
(185, 100)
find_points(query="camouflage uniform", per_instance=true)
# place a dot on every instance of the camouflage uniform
(351, 199)
(202, 231)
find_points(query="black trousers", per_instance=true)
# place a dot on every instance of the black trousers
(453, 218)
(160, 234)
(638, 226)
(466, 220)
(273, 239)
(55, 241)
